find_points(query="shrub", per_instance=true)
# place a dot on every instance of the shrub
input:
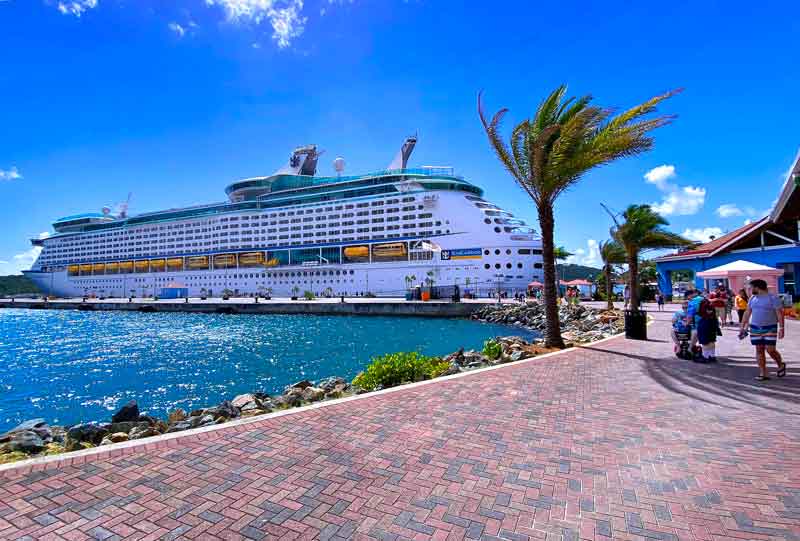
(492, 349)
(308, 295)
(397, 368)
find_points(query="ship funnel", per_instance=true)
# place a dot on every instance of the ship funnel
(400, 161)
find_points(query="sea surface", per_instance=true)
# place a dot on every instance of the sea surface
(70, 366)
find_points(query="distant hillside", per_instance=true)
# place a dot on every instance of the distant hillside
(16, 285)
(569, 272)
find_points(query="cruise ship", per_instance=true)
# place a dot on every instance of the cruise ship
(294, 232)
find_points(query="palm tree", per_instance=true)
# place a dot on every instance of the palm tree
(642, 229)
(612, 253)
(560, 254)
(551, 152)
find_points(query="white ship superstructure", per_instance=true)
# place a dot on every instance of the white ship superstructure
(293, 232)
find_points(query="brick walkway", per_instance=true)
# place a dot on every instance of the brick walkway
(618, 441)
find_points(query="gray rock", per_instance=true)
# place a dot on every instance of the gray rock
(145, 432)
(517, 355)
(454, 368)
(244, 400)
(128, 412)
(225, 410)
(332, 383)
(302, 384)
(26, 441)
(127, 426)
(206, 420)
(39, 426)
(89, 432)
(313, 394)
(180, 426)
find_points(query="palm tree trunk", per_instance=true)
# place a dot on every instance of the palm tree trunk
(633, 271)
(609, 288)
(552, 333)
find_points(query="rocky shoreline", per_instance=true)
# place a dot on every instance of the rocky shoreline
(36, 437)
(579, 324)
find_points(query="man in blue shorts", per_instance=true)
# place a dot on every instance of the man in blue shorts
(764, 315)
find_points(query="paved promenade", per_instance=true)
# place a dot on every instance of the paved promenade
(614, 441)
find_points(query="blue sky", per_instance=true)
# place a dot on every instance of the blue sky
(173, 100)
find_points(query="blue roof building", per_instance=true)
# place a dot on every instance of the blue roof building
(774, 240)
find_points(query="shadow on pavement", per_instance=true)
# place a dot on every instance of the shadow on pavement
(730, 378)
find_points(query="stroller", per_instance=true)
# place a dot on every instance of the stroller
(684, 346)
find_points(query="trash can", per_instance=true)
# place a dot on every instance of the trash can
(636, 324)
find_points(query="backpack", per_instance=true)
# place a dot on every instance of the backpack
(706, 310)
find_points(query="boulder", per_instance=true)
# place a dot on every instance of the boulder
(176, 415)
(517, 355)
(59, 434)
(287, 401)
(126, 426)
(88, 432)
(244, 400)
(139, 433)
(313, 394)
(302, 384)
(26, 441)
(332, 383)
(150, 420)
(116, 437)
(225, 409)
(128, 412)
(39, 426)
(253, 412)
(73, 445)
(206, 420)
(180, 426)
(454, 368)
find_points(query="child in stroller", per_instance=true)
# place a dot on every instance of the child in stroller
(682, 334)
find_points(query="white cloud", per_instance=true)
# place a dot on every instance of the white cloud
(683, 201)
(23, 260)
(703, 234)
(729, 209)
(678, 200)
(76, 7)
(178, 29)
(660, 175)
(10, 174)
(590, 256)
(285, 16)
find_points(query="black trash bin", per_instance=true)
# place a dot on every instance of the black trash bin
(636, 324)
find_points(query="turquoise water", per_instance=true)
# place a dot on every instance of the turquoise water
(70, 366)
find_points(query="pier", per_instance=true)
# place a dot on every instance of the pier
(246, 305)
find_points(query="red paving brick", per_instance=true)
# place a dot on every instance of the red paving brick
(613, 441)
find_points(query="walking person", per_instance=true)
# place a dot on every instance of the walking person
(660, 301)
(728, 306)
(626, 295)
(764, 317)
(718, 300)
(706, 325)
(741, 304)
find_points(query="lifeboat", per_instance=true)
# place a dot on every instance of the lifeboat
(225, 261)
(389, 251)
(357, 253)
(251, 259)
(197, 262)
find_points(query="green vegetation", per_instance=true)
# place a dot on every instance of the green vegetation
(16, 285)
(549, 153)
(642, 229)
(492, 349)
(571, 271)
(309, 295)
(396, 368)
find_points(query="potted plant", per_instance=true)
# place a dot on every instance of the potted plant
(226, 294)
(429, 281)
(203, 294)
(295, 291)
(308, 295)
